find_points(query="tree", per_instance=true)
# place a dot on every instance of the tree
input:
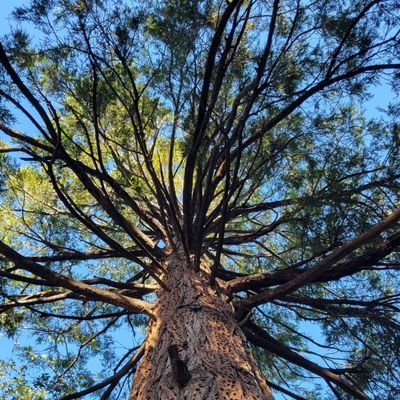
(204, 172)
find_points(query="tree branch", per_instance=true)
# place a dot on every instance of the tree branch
(109, 381)
(78, 287)
(324, 265)
(262, 339)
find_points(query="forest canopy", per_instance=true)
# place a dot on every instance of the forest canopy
(150, 149)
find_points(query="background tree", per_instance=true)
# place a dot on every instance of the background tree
(204, 175)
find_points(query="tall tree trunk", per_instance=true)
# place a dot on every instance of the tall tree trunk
(195, 349)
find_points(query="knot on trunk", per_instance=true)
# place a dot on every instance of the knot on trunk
(178, 366)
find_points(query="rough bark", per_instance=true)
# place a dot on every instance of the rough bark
(195, 348)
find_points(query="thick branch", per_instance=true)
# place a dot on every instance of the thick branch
(366, 261)
(38, 298)
(324, 265)
(260, 338)
(76, 286)
(201, 120)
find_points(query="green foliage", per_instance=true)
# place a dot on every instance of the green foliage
(14, 384)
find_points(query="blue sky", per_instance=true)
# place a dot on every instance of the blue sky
(6, 8)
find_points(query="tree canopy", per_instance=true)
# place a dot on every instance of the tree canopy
(236, 132)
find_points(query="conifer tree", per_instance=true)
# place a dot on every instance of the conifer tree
(207, 178)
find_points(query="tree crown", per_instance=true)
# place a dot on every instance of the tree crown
(234, 132)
